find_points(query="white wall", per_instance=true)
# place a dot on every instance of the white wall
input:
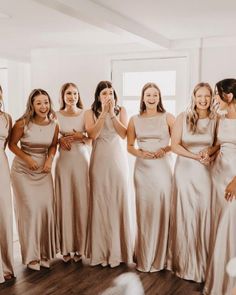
(218, 63)
(52, 69)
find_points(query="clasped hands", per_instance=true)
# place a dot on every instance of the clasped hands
(152, 155)
(108, 105)
(68, 138)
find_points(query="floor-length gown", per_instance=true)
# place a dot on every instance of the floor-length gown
(72, 188)
(34, 196)
(110, 239)
(190, 208)
(153, 183)
(6, 227)
(223, 229)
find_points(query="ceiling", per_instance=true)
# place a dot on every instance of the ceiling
(109, 25)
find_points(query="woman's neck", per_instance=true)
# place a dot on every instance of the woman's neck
(202, 114)
(40, 120)
(73, 110)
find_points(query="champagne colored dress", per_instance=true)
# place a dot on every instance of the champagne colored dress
(223, 229)
(110, 239)
(153, 182)
(6, 227)
(72, 188)
(190, 209)
(34, 197)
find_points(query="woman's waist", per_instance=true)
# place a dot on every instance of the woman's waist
(152, 145)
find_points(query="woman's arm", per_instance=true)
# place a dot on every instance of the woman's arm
(94, 128)
(9, 130)
(131, 137)
(16, 134)
(176, 140)
(120, 123)
(170, 119)
(51, 151)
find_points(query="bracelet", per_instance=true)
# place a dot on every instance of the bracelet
(113, 117)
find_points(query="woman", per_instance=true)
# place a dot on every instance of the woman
(6, 236)
(109, 234)
(223, 238)
(152, 178)
(192, 139)
(32, 179)
(72, 175)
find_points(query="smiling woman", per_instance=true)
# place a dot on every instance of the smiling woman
(32, 179)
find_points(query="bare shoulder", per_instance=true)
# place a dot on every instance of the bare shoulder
(19, 124)
(170, 117)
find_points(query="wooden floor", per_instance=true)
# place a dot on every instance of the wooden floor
(82, 279)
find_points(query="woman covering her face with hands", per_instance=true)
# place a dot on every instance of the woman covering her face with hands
(109, 241)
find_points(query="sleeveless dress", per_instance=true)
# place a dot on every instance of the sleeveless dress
(72, 189)
(6, 226)
(110, 239)
(190, 210)
(34, 197)
(223, 229)
(153, 183)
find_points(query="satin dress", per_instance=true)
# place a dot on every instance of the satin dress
(72, 188)
(153, 184)
(6, 226)
(223, 237)
(34, 196)
(110, 239)
(189, 233)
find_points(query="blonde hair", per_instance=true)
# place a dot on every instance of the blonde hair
(160, 107)
(192, 116)
(30, 113)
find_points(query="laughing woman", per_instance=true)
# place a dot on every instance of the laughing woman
(223, 238)
(72, 175)
(32, 179)
(110, 240)
(152, 178)
(6, 237)
(192, 139)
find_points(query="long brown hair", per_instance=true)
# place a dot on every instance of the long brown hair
(160, 107)
(97, 106)
(63, 90)
(30, 113)
(226, 86)
(192, 116)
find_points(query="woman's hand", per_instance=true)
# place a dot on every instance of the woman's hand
(230, 190)
(32, 164)
(146, 155)
(106, 106)
(47, 165)
(111, 106)
(160, 153)
(65, 142)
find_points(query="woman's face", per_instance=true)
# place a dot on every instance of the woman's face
(151, 98)
(203, 98)
(71, 96)
(220, 103)
(105, 94)
(41, 105)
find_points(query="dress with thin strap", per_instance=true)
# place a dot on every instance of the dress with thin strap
(6, 227)
(34, 195)
(223, 225)
(110, 239)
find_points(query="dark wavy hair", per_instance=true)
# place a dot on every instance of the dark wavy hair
(160, 107)
(97, 106)
(226, 86)
(62, 94)
(30, 113)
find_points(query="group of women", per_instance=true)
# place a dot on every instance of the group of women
(185, 220)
